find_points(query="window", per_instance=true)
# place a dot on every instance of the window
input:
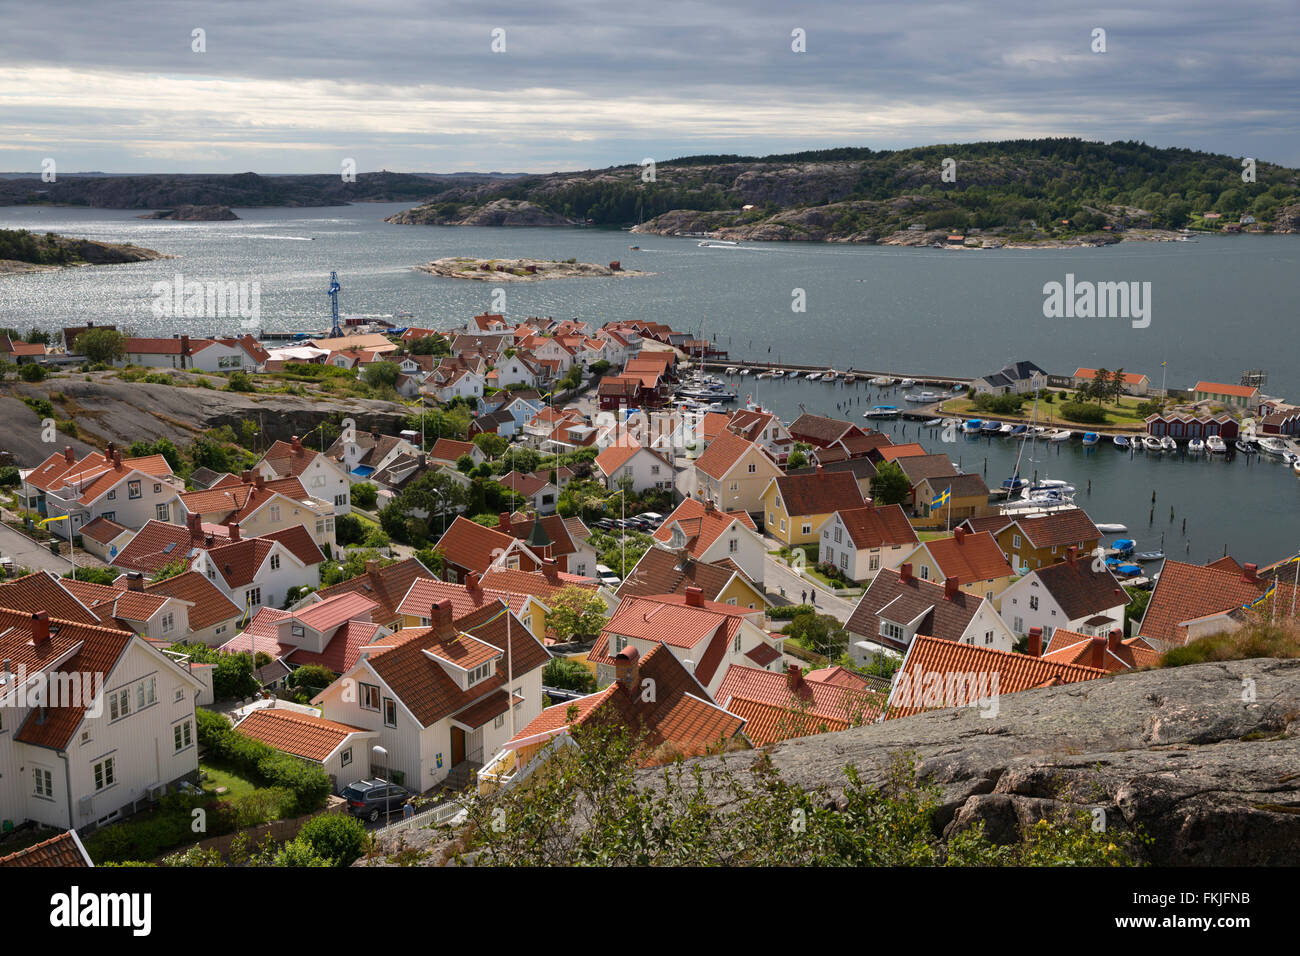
(275, 512)
(519, 692)
(340, 500)
(873, 563)
(480, 672)
(44, 782)
(735, 486)
(499, 722)
(733, 545)
(182, 736)
(157, 488)
(369, 697)
(345, 758)
(180, 694)
(735, 645)
(839, 534)
(844, 560)
(110, 515)
(620, 642)
(782, 524)
(112, 494)
(925, 573)
(891, 630)
(105, 776)
(133, 489)
(390, 712)
(162, 512)
(1033, 602)
(119, 704)
(275, 562)
(654, 469)
(806, 528)
(1015, 541)
(253, 596)
(168, 622)
(752, 468)
(988, 637)
(85, 736)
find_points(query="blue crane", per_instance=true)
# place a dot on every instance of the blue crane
(335, 330)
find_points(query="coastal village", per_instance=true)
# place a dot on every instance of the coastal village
(610, 535)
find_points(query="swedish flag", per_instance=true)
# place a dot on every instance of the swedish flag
(942, 498)
(1262, 598)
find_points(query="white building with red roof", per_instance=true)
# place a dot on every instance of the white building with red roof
(323, 478)
(644, 469)
(127, 491)
(343, 752)
(709, 534)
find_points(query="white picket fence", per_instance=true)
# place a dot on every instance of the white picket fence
(435, 816)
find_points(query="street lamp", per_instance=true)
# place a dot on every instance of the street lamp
(383, 755)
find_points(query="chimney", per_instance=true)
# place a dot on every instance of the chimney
(709, 505)
(959, 535)
(246, 477)
(109, 449)
(905, 572)
(1071, 554)
(297, 444)
(258, 481)
(471, 583)
(209, 541)
(117, 460)
(1098, 659)
(40, 628)
(440, 617)
(950, 584)
(1112, 642)
(134, 581)
(67, 454)
(820, 470)
(195, 523)
(793, 677)
(1035, 642)
(627, 668)
(1249, 574)
(234, 531)
(372, 566)
(503, 522)
(694, 597)
(550, 571)
(185, 345)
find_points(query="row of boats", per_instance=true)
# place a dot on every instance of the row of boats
(848, 378)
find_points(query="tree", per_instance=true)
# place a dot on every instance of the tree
(1117, 385)
(338, 839)
(889, 485)
(364, 495)
(492, 445)
(233, 677)
(31, 372)
(348, 529)
(381, 374)
(576, 612)
(797, 459)
(240, 382)
(102, 346)
(568, 674)
(94, 575)
(1099, 387)
(171, 569)
(430, 345)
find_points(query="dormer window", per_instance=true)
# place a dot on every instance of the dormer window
(479, 673)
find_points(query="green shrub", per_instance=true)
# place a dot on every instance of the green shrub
(364, 495)
(337, 838)
(1085, 413)
(788, 612)
(32, 372)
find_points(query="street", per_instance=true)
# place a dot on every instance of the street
(28, 554)
(784, 587)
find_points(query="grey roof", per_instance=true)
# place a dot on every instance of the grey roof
(944, 618)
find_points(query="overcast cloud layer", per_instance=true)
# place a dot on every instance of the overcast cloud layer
(414, 86)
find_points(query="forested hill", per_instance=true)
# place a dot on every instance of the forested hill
(49, 249)
(1013, 188)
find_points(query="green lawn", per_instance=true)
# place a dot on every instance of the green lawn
(932, 535)
(221, 774)
(1125, 414)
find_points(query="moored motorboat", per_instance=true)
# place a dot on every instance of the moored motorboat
(1152, 444)
(792, 374)
(1061, 434)
(1006, 428)
(850, 379)
(731, 370)
(1124, 546)
(907, 383)
(813, 376)
(972, 426)
(882, 411)
(1120, 442)
(744, 371)
(1146, 556)
(1019, 430)
(1215, 445)
(1246, 447)
(990, 427)
(1196, 447)
(1272, 446)
(932, 423)
(1112, 528)
(1091, 438)
(1168, 444)
(882, 381)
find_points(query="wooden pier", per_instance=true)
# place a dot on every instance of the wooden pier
(864, 376)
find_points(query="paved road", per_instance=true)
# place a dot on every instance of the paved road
(28, 554)
(777, 576)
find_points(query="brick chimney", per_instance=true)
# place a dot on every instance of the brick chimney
(296, 442)
(905, 571)
(209, 542)
(40, 628)
(258, 481)
(959, 534)
(1249, 574)
(195, 523)
(109, 449)
(627, 669)
(117, 460)
(372, 566)
(1035, 642)
(503, 522)
(234, 531)
(134, 581)
(471, 583)
(1112, 642)
(67, 454)
(1071, 554)
(1098, 658)
(793, 677)
(246, 477)
(440, 617)
(950, 586)
(551, 571)
(694, 597)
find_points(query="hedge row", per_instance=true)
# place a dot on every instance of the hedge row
(308, 783)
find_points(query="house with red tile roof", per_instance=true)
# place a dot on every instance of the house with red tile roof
(443, 698)
(860, 541)
(653, 699)
(756, 424)
(822, 432)
(707, 637)
(104, 538)
(330, 633)
(417, 607)
(259, 506)
(362, 453)
(898, 605)
(1135, 383)
(448, 451)
(117, 724)
(1240, 397)
(160, 543)
(711, 535)
(541, 494)
(155, 616)
(733, 473)
(343, 752)
(796, 506)
(939, 674)
(780, 705)
(46, 591)
(127, 491)
(467, 546)
(642, 469)
(973, 561)
(664, 570)
(211, 617)
(1076, 594)
(1114, 654)
(321, 477)
(64, 850)
(19, 352)
(1190, 601)
(253, 572)
(1034, 541)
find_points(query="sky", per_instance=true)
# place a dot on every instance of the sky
(288, 86)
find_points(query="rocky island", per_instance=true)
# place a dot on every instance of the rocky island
(194, 214)
(522, 270)
(24, 251)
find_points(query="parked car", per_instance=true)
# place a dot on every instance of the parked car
(607, 576)
(653, 517)
(369, 798)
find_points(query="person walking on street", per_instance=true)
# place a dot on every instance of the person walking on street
(803, 597)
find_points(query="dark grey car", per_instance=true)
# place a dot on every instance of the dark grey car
(369, 799)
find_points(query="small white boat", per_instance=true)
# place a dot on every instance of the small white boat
(882, 381)
(1272, 446)
(831, 375)
(1006, 428)
(794, 374)
(1152, 444)
(1168, 444)
(1112, 528)
(1091, 438)
(744, 371)
(813, 376)
(907, 383)
(731, 370)
(779, 373)
(932, 423)
(1061, 434)
(1196, 447)
(1216, 445)
(882, 411)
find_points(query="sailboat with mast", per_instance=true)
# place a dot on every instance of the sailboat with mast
(1042, 495)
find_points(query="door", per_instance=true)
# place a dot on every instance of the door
(457, 745)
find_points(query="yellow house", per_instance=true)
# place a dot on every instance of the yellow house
(415, 607)
(973, 560)
(968, 498)
(664, 570)
(796, 506)
(259, 507)
(1036, 542)
(733, 473)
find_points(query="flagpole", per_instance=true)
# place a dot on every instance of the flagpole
(1295, 587)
